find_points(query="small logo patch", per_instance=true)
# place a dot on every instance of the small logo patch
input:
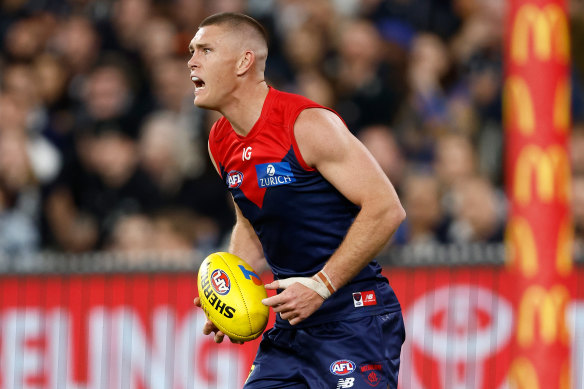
(234, 179)
(345, 383)
(342, 367)
(372, 373)
(220, 282)
(274, 174)
(250, 275)
(246, 155)
(362, 299)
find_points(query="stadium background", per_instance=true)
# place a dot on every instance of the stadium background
(108, 201)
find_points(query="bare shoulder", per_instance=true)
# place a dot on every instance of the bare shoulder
(327, 145)
(321, 134)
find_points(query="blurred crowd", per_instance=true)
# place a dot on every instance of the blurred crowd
(101, 147)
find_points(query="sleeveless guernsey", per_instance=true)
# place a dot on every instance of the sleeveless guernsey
(299, 217)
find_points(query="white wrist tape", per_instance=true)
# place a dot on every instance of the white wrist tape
(323, 287)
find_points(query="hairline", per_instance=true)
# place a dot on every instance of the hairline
(234, 20)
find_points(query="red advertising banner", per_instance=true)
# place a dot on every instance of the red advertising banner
(539, 231)
(141, 331)
(111, 331)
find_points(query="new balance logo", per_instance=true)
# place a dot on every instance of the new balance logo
(346, 383)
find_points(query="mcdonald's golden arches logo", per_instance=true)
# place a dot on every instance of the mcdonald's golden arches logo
(549, 307)
(549, 32)
(550, 168)
(520, 246)
(522, 374)
(518, 105)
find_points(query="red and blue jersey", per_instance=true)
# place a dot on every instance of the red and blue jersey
(299, 217)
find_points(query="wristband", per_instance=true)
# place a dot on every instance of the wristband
(323, 288)
(324, 278)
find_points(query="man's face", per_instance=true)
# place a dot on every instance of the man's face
(212, 66)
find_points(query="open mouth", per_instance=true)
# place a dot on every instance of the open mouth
(199, 84)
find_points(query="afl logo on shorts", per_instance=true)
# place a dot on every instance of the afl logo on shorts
(234, 179)
(342, 367)
(220, 282)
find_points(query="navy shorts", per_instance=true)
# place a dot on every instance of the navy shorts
(360, 353)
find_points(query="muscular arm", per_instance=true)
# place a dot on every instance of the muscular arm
(327, 145)
(245, 243)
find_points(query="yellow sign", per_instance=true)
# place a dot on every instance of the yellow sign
(517, 104)
(547, 305)
(551, 169)
(549, 32)
(522, 374)
(520, 245)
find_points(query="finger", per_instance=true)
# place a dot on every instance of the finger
(281, 308)
(273, 285)
(219, 337)
(287, 315)
(236, 341)
(295, 321)
(274, 300)
(209, 327)
(197, 301)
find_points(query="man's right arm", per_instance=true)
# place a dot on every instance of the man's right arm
(245, 243)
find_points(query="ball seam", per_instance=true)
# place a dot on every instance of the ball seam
(241, 295)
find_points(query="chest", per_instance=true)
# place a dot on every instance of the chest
(250, 167)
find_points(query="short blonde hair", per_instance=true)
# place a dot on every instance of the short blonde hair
(236, 21)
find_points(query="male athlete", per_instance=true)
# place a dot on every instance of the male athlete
(312, 202)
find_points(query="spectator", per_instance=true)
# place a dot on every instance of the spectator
(313, 85)
(455, 160)
(158, 41)
(362, 77)
(78, 79)
(422, 202)
(129, 19)
(169, 88)
(479, 214)
(110, 185)
(26, 38)
(78, 41)
(167, 154)
(19, 195)
(383, 146)
(178, 230)
(133, 236)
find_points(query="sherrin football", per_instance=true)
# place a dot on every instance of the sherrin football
(231, 294)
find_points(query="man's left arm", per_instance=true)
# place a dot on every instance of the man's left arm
(327, 145)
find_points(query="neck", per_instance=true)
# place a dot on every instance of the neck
(246, 107)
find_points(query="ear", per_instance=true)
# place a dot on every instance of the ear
(245, 62)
